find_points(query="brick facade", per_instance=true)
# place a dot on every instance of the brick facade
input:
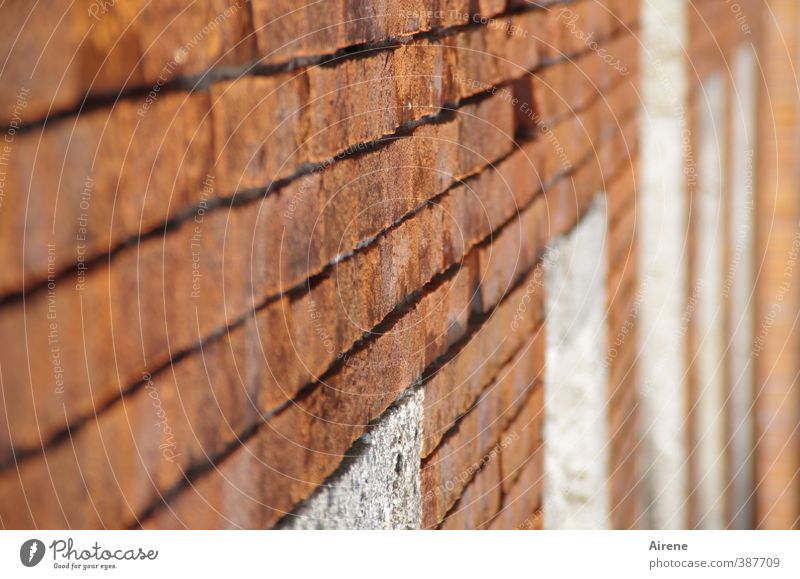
(351, 266)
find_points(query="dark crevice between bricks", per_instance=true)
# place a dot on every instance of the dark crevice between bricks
(542, 127)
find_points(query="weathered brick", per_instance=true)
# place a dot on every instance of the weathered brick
(303, 444)
(265, 127)
(476, 438)
(522, 504)
(284, 31)
(85, 184)
(482, 496)
(417, 255)
(453, 388)
(526, 430)
(572, 85)
(99, 48)
(132, 215)
(170, 313)
(283, 320)
(163, 316)
(209, 403)
(310, 422)
(479, 502)
(104, 48)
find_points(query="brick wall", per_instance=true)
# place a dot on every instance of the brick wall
(358, 265)
(277, 267)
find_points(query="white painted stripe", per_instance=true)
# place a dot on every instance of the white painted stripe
(665, 171)
(741, 275)
(576, 377)
(708, 414)
(379, 488)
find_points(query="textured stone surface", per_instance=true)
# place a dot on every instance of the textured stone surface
(576, 419)
(378, 486)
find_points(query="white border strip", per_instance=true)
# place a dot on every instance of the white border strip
(576, 377)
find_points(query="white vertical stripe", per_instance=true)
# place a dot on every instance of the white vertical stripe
(709, 415)
(576, 377)
(741, 274)
(665, 171)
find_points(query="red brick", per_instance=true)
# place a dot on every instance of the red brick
(476, 437)
(286, 31)
(479, 502)
(93, 48)
(522, 505)
(131, 217)
(267, 126)
(160, 317)
(526, 429)
(148, 291)
(482, 497)
(125, 173)
(81, 48)
(264, 128)
(303, 444)
(453, 388)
